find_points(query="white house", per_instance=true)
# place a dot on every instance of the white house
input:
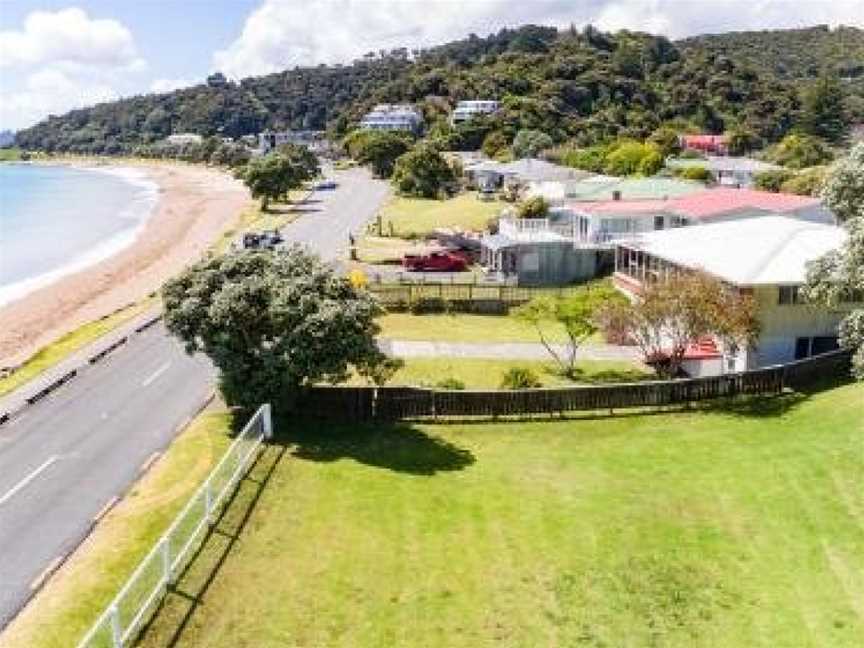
(466, 110)
(403, 117)
(269, 140)
(766, 257)
(727, 170)
(181, 139)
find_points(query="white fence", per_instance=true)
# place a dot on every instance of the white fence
(138, 598)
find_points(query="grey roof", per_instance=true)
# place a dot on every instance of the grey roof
(725, 163)
(532, 169)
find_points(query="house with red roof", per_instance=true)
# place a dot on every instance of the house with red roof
(716, 144)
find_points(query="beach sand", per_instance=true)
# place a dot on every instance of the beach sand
(195, 206)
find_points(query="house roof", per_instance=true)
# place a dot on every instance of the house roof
(534, 170)
(723, 200)
(717, 163)
(602, 188)
(771, 250)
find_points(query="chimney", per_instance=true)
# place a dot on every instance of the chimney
(616, 195)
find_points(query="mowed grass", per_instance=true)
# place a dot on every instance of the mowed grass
(741, 526)
(463, 327)
(75, 597)
(68, 344)
(483, 373)
(416, 216)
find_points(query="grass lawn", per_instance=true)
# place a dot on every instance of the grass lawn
(461, 327)
(481, 373)
(385, 249)
(73, 599)
(417, 216)
(734, 527)
(57, 351)
(11, 154)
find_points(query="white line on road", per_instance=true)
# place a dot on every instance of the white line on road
(27, 479)
(156, 374)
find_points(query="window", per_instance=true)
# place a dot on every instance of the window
(802, 348)
(823, 345)
(659, 222)
(788, 295)
(678, 221)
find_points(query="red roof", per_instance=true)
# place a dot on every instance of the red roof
(703, 140)
(623, 206)
(726, 199)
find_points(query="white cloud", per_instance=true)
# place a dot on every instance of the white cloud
(167, 85)
(283, 33)
(68, 35)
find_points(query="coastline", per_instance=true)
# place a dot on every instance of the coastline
(195, 205)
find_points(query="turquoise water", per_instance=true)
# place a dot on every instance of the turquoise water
(55, 220)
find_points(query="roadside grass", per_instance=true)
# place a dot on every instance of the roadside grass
(464, 327)
(68, 344)
(385, 250)
(482, 373)
(75, 596)
(277, 216)
(11, 154)
(701, 529)
(407, 217)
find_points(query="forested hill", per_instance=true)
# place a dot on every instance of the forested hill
(583, 86)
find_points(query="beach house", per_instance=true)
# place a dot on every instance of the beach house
(467, 110)
(400, 117)
(765, 257)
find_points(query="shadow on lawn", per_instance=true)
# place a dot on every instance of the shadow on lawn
(400, 447)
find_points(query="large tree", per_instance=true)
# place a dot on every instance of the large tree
(272, 176)
(273, 323)
(422, 172)
(823, 109)
(378, 149)
(838, 277)
(672, 314)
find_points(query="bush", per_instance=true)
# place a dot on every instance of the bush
(529, 143)
(772, 180)
(534, 207)
(699, 173)
(591, 159)
(520, 378)
(630, 158)
(426, 305)
(453, 384)
(806, 183)
(799, 151)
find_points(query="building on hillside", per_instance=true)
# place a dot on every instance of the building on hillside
(467, 110)
(182, 139)
(489, 175)
(400, 117)
(709, 144)
(727, 171)
(587, 187)
(269, 140)
(766, 257)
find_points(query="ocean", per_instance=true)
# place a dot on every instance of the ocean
(56, 220)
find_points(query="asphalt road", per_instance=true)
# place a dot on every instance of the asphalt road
(65, 458)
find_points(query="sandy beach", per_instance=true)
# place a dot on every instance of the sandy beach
(195, 206)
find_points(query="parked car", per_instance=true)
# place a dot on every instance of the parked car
(265, 240)
(324, 185)
(443, 261)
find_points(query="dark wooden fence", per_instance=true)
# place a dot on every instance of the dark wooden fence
(473, 297)
(398, 403)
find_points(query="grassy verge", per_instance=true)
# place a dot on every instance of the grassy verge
(277, 216)
(73, 599)
(463, 328)
(691, 530)
(10, 154)
(417, 217)
(59, 350)
(482, 373)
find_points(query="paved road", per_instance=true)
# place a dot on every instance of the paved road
(64, 458)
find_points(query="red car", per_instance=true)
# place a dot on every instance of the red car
(444, 261)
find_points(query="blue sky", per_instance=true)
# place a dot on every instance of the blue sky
(59, 54)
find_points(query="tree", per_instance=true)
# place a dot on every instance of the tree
(272, 323)
(666, 141)
(378, 149)
(533, 207)
(741, 140)
(422, 172)
(838, 277)
(798, 151)
(772, 180)
(629, 158)
(823, 109)
(672, 314)
(529, 143)
(843, 192)
(576, 314)
(272, 176)
(494, 144)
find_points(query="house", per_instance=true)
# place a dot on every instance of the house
(727, 171)
(715, 144)
(404, 117)
(489, 175)
(182, 139)
(583, 186)
(270, 140)
(765, 257)
(467, 110)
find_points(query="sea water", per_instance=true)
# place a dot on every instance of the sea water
(56, 220)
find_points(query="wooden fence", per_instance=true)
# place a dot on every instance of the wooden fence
(473, 297)
(400, 403)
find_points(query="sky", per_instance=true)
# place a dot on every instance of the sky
(56, 55)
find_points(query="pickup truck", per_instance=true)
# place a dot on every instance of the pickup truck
(444, 261)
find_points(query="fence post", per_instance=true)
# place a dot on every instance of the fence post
(116, 634)
(267, 417)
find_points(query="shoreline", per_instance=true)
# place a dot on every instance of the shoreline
(194, 206)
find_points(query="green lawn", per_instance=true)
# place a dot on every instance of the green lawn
(737, 527)
(75, 597)
(11, 154)
(416, 216)
(464, 328)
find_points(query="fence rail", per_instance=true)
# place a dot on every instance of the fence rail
(485, 297)
(398, 403)
(136, 601)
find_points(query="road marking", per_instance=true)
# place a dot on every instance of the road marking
(146, 465)
(104, 510)
(27, 479)
(45, 573)
(156, 374)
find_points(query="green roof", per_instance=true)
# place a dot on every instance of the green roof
(601, 188)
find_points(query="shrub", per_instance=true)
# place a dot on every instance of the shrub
(806, 183)
(629, 158)
(425, 305)
(450, 383)
(534, 207)
(529, 143)
(799, 151)
(772, 180)
(520, 378)
(699, 173)
(591, 159)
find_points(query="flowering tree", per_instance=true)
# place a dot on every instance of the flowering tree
(843, 192)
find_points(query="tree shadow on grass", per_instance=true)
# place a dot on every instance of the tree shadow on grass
(400, 447)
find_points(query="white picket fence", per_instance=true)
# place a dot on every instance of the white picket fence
(136, 601)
